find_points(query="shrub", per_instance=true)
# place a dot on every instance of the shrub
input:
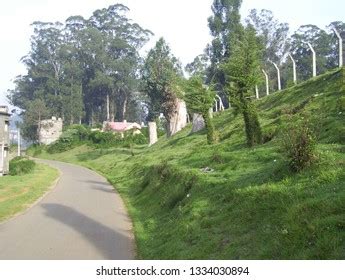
(35, 150)
(21, 166)
(105, 139)
(73, 136)
(299, 143)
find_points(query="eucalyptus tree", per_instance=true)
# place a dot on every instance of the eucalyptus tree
(122, 41)
(198, 67)
(275, 40)
(83, 70)
(225, 27)
(161, 76)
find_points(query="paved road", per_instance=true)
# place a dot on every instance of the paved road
(81, 218)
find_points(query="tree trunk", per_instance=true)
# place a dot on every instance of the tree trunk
(178, 120)
(124, 107)
(108, 108)
(211, 132)
(252, 125)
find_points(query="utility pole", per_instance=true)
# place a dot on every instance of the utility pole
(267, 82)
(18, 137)
(294, 69)
(278, 75)
(314, 59)
(340, 47)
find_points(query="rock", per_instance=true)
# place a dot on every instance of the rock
(198, 123)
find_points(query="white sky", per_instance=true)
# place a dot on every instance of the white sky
(183, 23)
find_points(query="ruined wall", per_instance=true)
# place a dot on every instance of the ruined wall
(50, 131)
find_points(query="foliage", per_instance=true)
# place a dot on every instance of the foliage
(199, 100)
(298, 143)
(225, 27)
(198, 67)
(73, 136)
(21, 165)
(36, 111)
(161, 74)
(242, 73)
(76, 66)
(275, 41)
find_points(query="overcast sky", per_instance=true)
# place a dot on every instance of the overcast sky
(183, 23)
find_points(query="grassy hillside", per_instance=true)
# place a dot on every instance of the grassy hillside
(251, 206)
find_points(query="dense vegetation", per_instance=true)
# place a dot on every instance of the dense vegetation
(85, 70)
(90, 70)
(189, 200)
(21, 166)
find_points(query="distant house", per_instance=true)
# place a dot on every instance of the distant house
(4, 140)
(122, 127)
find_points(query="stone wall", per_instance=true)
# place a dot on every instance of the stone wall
(50, 130)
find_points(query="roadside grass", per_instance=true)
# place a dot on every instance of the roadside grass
(17, 193)
(251, 206)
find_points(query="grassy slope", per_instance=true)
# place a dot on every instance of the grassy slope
(251, 206)
(19, 192)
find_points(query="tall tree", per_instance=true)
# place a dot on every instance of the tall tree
(242, 73)
(161, 74)
(36, 111)
(84, 70)
(198, 66)
(274, 37)
(225, 27)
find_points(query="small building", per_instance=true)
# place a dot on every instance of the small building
(122, 127)
(50, 130)
(4, 140)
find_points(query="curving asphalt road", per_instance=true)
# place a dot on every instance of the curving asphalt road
(82, 218)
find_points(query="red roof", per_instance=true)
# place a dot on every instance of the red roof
(122, 126)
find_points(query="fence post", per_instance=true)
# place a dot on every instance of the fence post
(314, 59)
(267, 83)
(340, 47)
(278, 75)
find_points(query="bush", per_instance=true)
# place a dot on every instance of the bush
(21, 166)
(73, 136)
(299, 143)
(35, 150)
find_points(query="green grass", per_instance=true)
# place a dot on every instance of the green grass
(17, 193)
(252, 206)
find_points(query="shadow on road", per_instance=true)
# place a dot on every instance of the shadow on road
(110, 244)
